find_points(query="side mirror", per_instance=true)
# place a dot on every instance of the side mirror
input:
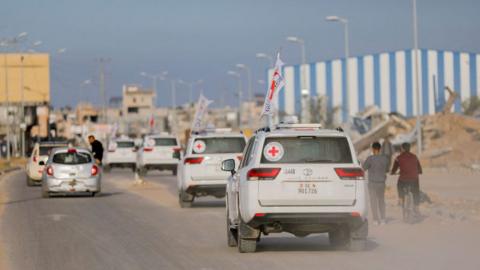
(228, 165)
(41, 163)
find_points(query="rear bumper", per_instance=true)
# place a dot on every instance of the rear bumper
(71, 185)
(307, 218)
(302, 224)
(217, 190)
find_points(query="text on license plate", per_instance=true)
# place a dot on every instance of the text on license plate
(307, 188)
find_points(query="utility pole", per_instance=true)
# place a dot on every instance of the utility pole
(103, 94)
(23, 125)
(418, 124)
(7, 101)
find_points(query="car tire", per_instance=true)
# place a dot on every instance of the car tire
(185, 200)
(247, 245)
(232, 234)
(45, 194)
(134, 168)
(30, 182)
(357, 245)
(339, 238)
(174, 172)
(142, 171)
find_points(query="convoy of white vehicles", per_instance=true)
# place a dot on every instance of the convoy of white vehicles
(295, 178)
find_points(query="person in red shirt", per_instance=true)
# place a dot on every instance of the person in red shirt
(410, 169)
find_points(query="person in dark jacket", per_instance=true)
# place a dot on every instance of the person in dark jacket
(97, 148)
(377, 167)
(410, 169)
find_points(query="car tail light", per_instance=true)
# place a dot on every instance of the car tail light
(94, 170)
(350, 173)
(263, 173)
(193, 160)
(259, 214)
(34, 159)
(72, 150)
(50, 170)
(147, 149)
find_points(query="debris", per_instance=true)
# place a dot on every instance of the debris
(451, 100)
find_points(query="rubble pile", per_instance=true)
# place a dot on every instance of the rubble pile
(451, 140)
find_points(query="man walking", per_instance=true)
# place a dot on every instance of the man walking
(410, 169)
(97, 149)
(377, 167)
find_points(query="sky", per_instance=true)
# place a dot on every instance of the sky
(203, 39)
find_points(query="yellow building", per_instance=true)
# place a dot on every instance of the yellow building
(34, 68)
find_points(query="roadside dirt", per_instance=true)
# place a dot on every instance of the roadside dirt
(3, 199)
(153, 191)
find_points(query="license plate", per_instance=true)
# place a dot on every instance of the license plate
(307, 188)
(72, 190)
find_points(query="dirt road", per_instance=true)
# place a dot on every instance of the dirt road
(141, 227)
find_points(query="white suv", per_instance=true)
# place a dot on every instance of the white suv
(158, 152)
(299, 179)
(36, 163)
(121, 153)
(199, 173)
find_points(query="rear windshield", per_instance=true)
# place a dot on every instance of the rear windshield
(125, 144)
(218, 145)
(165, 141)
(72, 158)
(306, 150)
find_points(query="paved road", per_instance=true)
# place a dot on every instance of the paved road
(125, 229)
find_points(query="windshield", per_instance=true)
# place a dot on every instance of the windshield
(306, 150)
(72, 158)
(218, 145)
(164, 141)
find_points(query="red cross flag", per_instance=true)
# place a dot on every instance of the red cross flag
(202, 106)
(276, 84)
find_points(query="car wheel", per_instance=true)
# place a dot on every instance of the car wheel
(142, 171)
(174, 171)
(232, 234)
(357, 244)
(134, 168)
(30, 181)
(45, 194)
(339, 238)
(247, 245)
(185, 200)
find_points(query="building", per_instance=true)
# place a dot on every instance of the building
(137, 103)
(384, 79)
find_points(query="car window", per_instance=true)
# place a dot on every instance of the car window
(72, 158)
(218, 145)
(164, 141)
(247, 153)
(125, 144)
(306, 150)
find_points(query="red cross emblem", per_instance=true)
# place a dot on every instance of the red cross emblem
(273, 151)
(199, 146)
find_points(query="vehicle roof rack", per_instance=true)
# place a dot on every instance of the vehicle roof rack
(299, 126)
(212, 130)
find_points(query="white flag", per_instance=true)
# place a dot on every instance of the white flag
(277, 83)
(202, 106)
